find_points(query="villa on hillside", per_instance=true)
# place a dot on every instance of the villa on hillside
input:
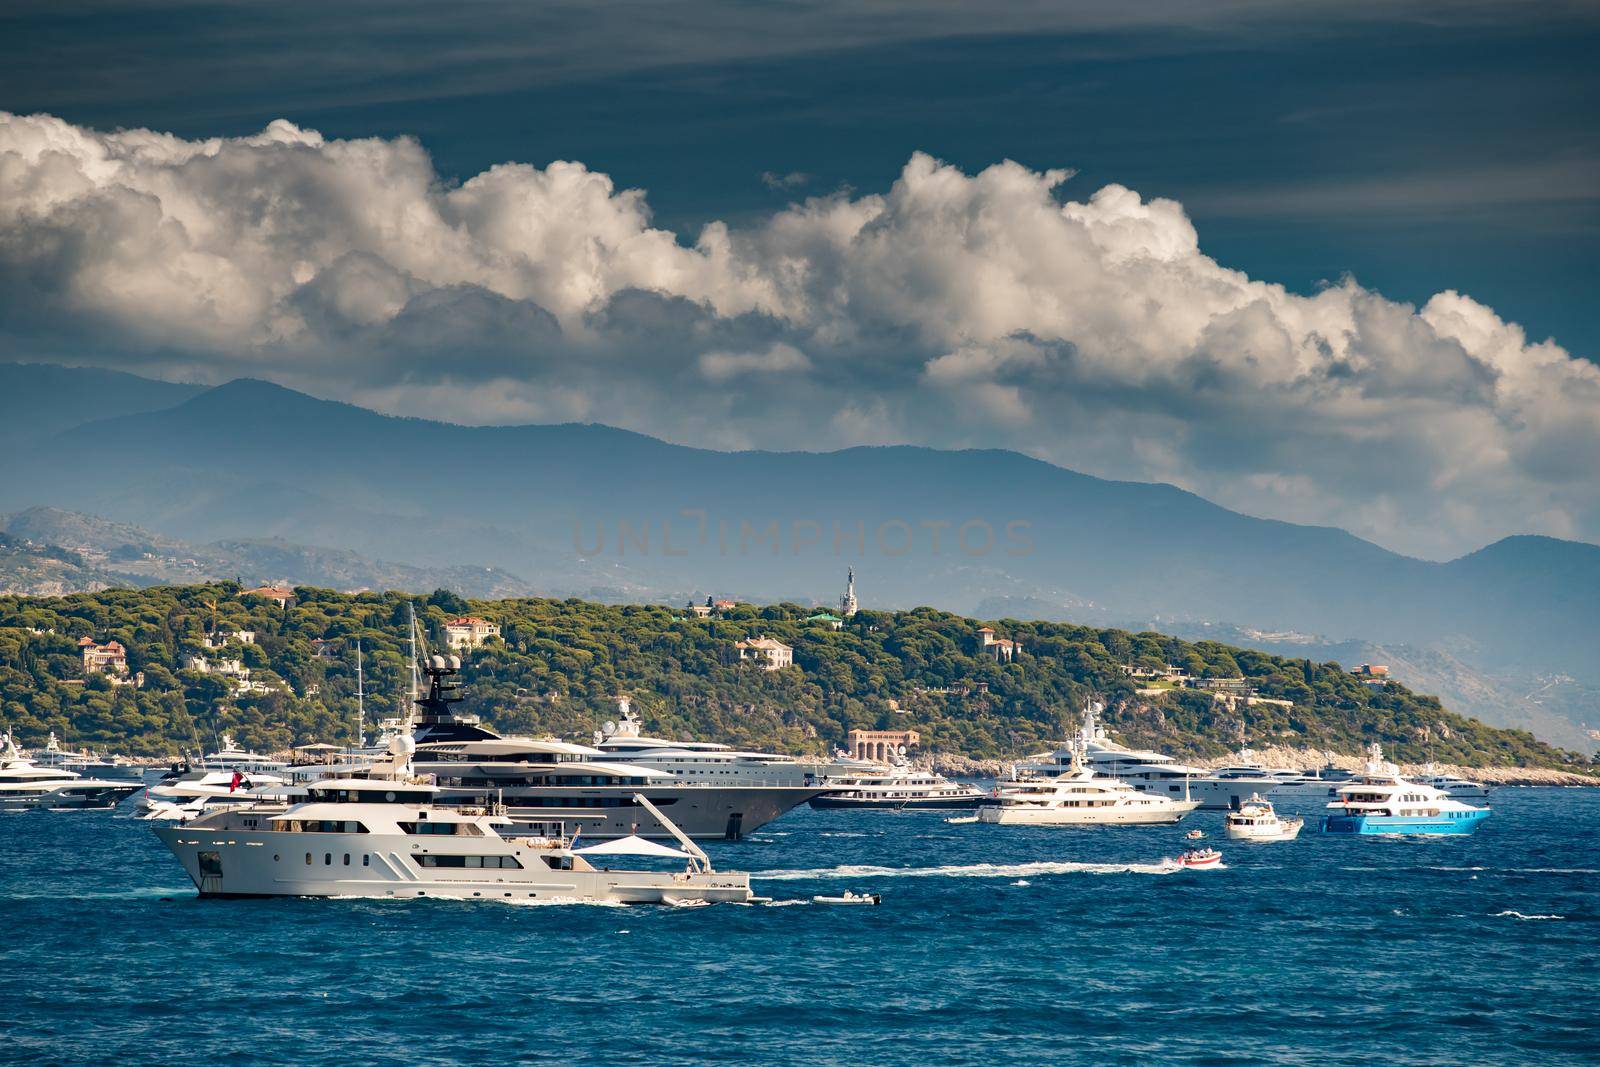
(1372, 674)
(827, 619)
(221, 637)
(469, 632)
(281, 597)
(1003, 650)
(773, 655)
(228, 668)
(109, 658)
(881, 745)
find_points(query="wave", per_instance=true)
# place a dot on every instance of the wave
(971, 870)
(1519, 915)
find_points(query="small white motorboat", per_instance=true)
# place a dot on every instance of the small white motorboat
(1256, 820)
(1195, 835)
(849, 898)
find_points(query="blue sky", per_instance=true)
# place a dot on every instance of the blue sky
(823, 248)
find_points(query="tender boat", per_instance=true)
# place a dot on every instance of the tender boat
(386, 836)
(1195, 835)
(867, 899)
(1079, 797)
(1197, 859)
(1382, 802)
(1256, 820)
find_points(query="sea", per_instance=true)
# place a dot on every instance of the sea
(991, 945)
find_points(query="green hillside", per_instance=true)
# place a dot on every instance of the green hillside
(560, 664)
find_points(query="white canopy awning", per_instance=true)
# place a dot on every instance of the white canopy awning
(632, 845)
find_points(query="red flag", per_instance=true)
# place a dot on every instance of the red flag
(237, 778)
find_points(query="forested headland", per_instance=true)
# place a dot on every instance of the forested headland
(559, 665)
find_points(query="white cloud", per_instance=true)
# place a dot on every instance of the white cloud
(777, 359)
(954, 309)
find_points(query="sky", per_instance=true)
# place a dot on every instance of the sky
(1329, 263)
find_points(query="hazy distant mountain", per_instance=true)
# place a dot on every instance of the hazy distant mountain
(49, 552)
(565, 506)
(38, 400)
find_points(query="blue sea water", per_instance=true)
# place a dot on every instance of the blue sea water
(993, 944)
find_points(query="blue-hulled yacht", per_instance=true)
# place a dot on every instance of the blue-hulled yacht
(1380, 801)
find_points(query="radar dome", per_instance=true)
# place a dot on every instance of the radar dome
(402, 745)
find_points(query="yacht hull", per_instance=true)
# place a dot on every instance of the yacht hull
(1465, 823)
(704, 812)
(1009, 816)
(243, 863)
(836, 802)
(97, 798)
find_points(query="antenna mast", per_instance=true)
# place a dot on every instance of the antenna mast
(361, 701)
(411, 613)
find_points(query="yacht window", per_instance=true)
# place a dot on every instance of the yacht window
(347, 859)
(474, 862)
(308, 859)
(327, 859)
(449, 829)
(366, 860)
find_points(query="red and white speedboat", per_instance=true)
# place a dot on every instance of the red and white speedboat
(1198, 858)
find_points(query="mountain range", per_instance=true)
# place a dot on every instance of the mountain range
(594, 511)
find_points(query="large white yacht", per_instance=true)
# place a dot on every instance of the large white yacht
(1454, 786)
(1225, 788)
(1312, 785)
(86, 763)
(387, 835)
(1079, 797)
(1380, 801)
(595, 789)
(24, 785)
(858, 784)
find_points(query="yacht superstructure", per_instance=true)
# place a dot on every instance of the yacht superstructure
(230, 757)
(623, 742)
(388, 836)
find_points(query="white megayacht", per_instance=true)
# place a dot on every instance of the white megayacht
(383, 836)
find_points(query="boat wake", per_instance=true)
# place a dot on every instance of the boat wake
(972, 870)
(1526, 918)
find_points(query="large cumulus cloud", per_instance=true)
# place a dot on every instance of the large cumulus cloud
(954, 309)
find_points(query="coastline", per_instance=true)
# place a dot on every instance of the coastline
(957, 766)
